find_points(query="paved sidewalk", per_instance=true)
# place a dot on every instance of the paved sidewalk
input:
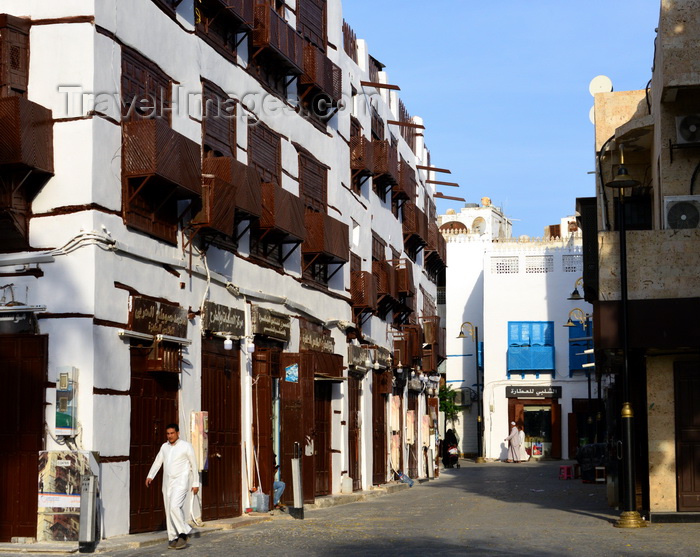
(479, 509)
(136, 541)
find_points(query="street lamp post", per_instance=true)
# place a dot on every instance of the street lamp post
(629, 518)
(473, 332)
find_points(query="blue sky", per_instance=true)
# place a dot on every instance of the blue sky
(503, 88)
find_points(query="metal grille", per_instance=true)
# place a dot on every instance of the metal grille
(572, 263)
(504, 265)
(539, 264)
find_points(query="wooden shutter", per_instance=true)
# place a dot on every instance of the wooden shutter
(378, 248)
(311, 21)
(14, 56)
(145, 88)
(219, 118)
(313, 183)
(264, 152)
(377, 126)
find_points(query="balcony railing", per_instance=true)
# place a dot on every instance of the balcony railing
(272, 34)
(151, 149)
(282, 212)
(406, 185)
(320, 73)
(363, 290)
(386, 162)
(26, 135)
(245, 179)
(326, 237)
(361, 155)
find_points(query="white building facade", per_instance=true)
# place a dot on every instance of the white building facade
(515, 291)
(207, 209)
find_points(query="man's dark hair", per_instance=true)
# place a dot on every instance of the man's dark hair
(172, 426)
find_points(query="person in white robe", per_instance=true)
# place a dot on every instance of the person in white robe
(513, 444)
(524, 457)
(179, 463)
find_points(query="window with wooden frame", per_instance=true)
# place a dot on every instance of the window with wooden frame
(146, 89)
(265, 152)
(14, 56)
(377, 125)
(311, 22)
(217, 27)
(313, 191)
(378, 248)
(264, 155)
(218, 122)
(358, 178)
(313, 183)
(160, 166)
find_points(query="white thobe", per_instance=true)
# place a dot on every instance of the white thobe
(514, 445)
(178, 463)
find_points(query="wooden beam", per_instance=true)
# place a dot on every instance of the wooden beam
(406, 124)
(451, 184)
(433, 168)
(438, 195)
(377, 85)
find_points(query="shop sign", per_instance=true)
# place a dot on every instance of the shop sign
(157, 318)
(311, 340)
(533, 392)
(218, 318)
(383, 356)
(271, 324)
(358, 356)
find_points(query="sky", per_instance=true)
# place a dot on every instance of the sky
(502, 86)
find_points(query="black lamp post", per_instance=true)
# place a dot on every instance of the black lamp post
(474, 333)
(629, 518)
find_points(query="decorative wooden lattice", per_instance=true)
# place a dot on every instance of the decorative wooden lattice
(326, 236)
(272, 33)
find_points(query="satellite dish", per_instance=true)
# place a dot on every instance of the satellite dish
(591, 115)
(683, 214)
(600, 84)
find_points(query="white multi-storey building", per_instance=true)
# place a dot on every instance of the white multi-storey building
(207, 206)
(516, 293)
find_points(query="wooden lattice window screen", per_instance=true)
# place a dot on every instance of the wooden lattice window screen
(145, 88)
(264, 152)
(14, 61)
(219, 119)
(311, 21)
(313, 183)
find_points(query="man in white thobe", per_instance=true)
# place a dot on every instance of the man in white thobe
(513, 444)
(179, 462)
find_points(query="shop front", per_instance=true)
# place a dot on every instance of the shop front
(537, 410)
(156, 332)
(222, 329)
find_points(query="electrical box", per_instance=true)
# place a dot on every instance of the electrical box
(67, 401)
(199, 426)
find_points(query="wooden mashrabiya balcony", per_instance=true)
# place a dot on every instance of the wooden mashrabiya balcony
(273, 36)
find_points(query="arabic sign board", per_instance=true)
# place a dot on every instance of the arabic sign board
(157, 318)
(311, 340)
(270, 323)
(530, 391)
(223, 319)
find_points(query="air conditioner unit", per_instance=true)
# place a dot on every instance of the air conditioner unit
(688, 129)
(682, 211)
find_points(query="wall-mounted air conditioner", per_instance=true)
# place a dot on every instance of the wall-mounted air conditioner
(688, 129)
(682, 211)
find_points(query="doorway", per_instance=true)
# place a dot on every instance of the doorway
(687, 392)
(23, 369)
(153, 406)
(221, 398)
(322, 426)
(354, 432)
(541, 420)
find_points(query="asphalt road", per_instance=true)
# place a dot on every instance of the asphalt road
(479, 509)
